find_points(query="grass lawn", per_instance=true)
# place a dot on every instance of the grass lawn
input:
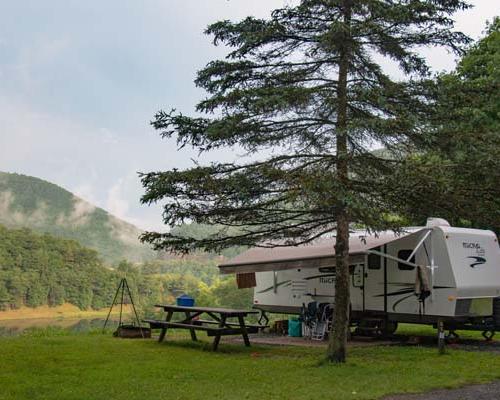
(94, 366)
(427, 330)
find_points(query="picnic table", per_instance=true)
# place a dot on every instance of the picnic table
(218, 325)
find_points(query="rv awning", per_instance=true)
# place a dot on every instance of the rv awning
(320, 253)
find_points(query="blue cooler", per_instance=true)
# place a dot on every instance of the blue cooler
(294, 327)
(185, 301)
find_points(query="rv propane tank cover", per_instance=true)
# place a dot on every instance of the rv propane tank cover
(431, 222)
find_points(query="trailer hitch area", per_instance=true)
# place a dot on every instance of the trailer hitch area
(488, 335)
(263, 318)
(452, 337)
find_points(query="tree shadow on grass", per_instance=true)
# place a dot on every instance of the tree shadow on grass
(206, 346)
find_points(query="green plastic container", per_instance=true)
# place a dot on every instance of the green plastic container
(294, 327)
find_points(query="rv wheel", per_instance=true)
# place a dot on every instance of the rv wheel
(389, 328)
(452, 337)
(488, 335)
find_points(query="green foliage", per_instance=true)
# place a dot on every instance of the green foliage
(203, 268)
(44, 207)
(40, 270)
(457, 177)
(226, 294)
(203, 231)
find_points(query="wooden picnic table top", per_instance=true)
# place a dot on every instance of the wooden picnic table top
(228, 312)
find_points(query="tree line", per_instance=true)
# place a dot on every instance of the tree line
(40, 269)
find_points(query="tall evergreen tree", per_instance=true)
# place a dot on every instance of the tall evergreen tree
(305, 95)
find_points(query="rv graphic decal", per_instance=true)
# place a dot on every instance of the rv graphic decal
(401, 300)
(323, 278)
(469, 245)
(480, 252)
(331, 281)
(284, 283)
(397, 293)
(478, 261)
(409, 290)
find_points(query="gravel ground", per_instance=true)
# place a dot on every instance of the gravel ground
(462, 344)
(488, 391)
(278, 340)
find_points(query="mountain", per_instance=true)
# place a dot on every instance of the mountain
(29, 202)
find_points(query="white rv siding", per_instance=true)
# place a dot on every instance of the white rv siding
(462, 264)
(290, 289)
(474, 256)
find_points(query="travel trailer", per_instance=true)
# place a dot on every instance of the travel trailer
(420, 275)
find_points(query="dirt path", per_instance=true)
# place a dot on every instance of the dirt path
(278, 340)
(487, 391)
(429, 341)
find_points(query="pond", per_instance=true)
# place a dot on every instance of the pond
(16, 327)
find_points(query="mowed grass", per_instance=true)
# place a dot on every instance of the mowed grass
(94, 366)
(429, 331)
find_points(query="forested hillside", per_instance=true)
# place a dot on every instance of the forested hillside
(33, 203)
(44, 270)
(40, 269)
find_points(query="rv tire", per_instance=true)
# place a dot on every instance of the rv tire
(389, 328)
(488, 335)
(452, 337)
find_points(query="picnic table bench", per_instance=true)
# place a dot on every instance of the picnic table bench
(217, 326)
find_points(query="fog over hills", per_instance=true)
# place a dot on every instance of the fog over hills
(30, 202)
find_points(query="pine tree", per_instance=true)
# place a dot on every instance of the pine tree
(305, 95)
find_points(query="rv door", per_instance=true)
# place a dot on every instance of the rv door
(374, 282)
(357, 272)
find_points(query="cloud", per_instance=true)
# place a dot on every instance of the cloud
(12, 217)
(86, 192)
(95, 164)
(79, 215)
(115, 203)
(124, 231)
(108, 137)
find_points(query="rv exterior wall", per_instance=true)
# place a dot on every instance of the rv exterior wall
(475, 258)
(465, 279)
(297, 286)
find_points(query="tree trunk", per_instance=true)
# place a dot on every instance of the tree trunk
(338, 337)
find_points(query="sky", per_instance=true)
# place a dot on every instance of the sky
(81, 80)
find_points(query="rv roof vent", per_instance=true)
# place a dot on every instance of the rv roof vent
(431, 222)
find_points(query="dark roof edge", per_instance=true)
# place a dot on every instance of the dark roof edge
(357, 253)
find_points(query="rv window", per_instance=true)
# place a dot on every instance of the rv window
(404, 254)
(374, 260)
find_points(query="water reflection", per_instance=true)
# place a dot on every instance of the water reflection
(18, 326)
